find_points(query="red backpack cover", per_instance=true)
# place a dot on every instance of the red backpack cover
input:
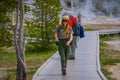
(71, 21)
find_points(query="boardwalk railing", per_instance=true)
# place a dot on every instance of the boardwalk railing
(98, 59)
(104, 32)
(107, 32)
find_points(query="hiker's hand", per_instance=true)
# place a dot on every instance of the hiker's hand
(68, 43)
(57, 43)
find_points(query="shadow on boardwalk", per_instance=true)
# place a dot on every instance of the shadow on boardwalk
(84, 67)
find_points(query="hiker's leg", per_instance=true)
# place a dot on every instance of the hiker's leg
(62, 54)
(66, 57)
(66, 54)
(72, 49)
(76, 39)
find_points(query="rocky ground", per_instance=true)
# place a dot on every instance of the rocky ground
(115, 69)
(114, 44)
(101, 23)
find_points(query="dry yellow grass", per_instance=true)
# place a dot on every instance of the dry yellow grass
(110, 57)
(102, 26)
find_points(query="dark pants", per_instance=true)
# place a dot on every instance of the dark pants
(72, 48)
(63, 52)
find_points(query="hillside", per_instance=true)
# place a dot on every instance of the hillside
(106, 13)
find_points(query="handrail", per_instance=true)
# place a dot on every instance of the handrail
(98, 59)
(110, 31)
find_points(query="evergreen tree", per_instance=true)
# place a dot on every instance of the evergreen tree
(6, 9)
(45, 20)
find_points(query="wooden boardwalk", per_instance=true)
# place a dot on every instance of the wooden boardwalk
(108, 32)
(84, 67)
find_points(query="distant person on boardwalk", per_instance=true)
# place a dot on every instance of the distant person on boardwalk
(75, 24)
(63, 37)
(73, 44)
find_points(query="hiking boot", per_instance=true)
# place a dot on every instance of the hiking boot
(71, 58)
(64, 72)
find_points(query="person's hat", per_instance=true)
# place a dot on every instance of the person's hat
(65, 17)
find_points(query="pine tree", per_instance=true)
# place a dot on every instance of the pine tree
(45, 20)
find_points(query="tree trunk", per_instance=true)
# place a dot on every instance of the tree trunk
(19, 42)
(71, 5)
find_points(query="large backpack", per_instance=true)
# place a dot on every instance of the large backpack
(82, 34)
(76, 29)
(76, 26)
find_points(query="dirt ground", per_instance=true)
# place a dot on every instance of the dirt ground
(114, 44)
(101, 23)
(102, 26)
(115, 69)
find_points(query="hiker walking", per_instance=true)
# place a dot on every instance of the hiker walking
(73, 45)
(63, 37)
(78, 32)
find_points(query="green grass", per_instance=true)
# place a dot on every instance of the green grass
(108, 56)
(108, 73)
(89, 29)
(33, 61)
(7, 59)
